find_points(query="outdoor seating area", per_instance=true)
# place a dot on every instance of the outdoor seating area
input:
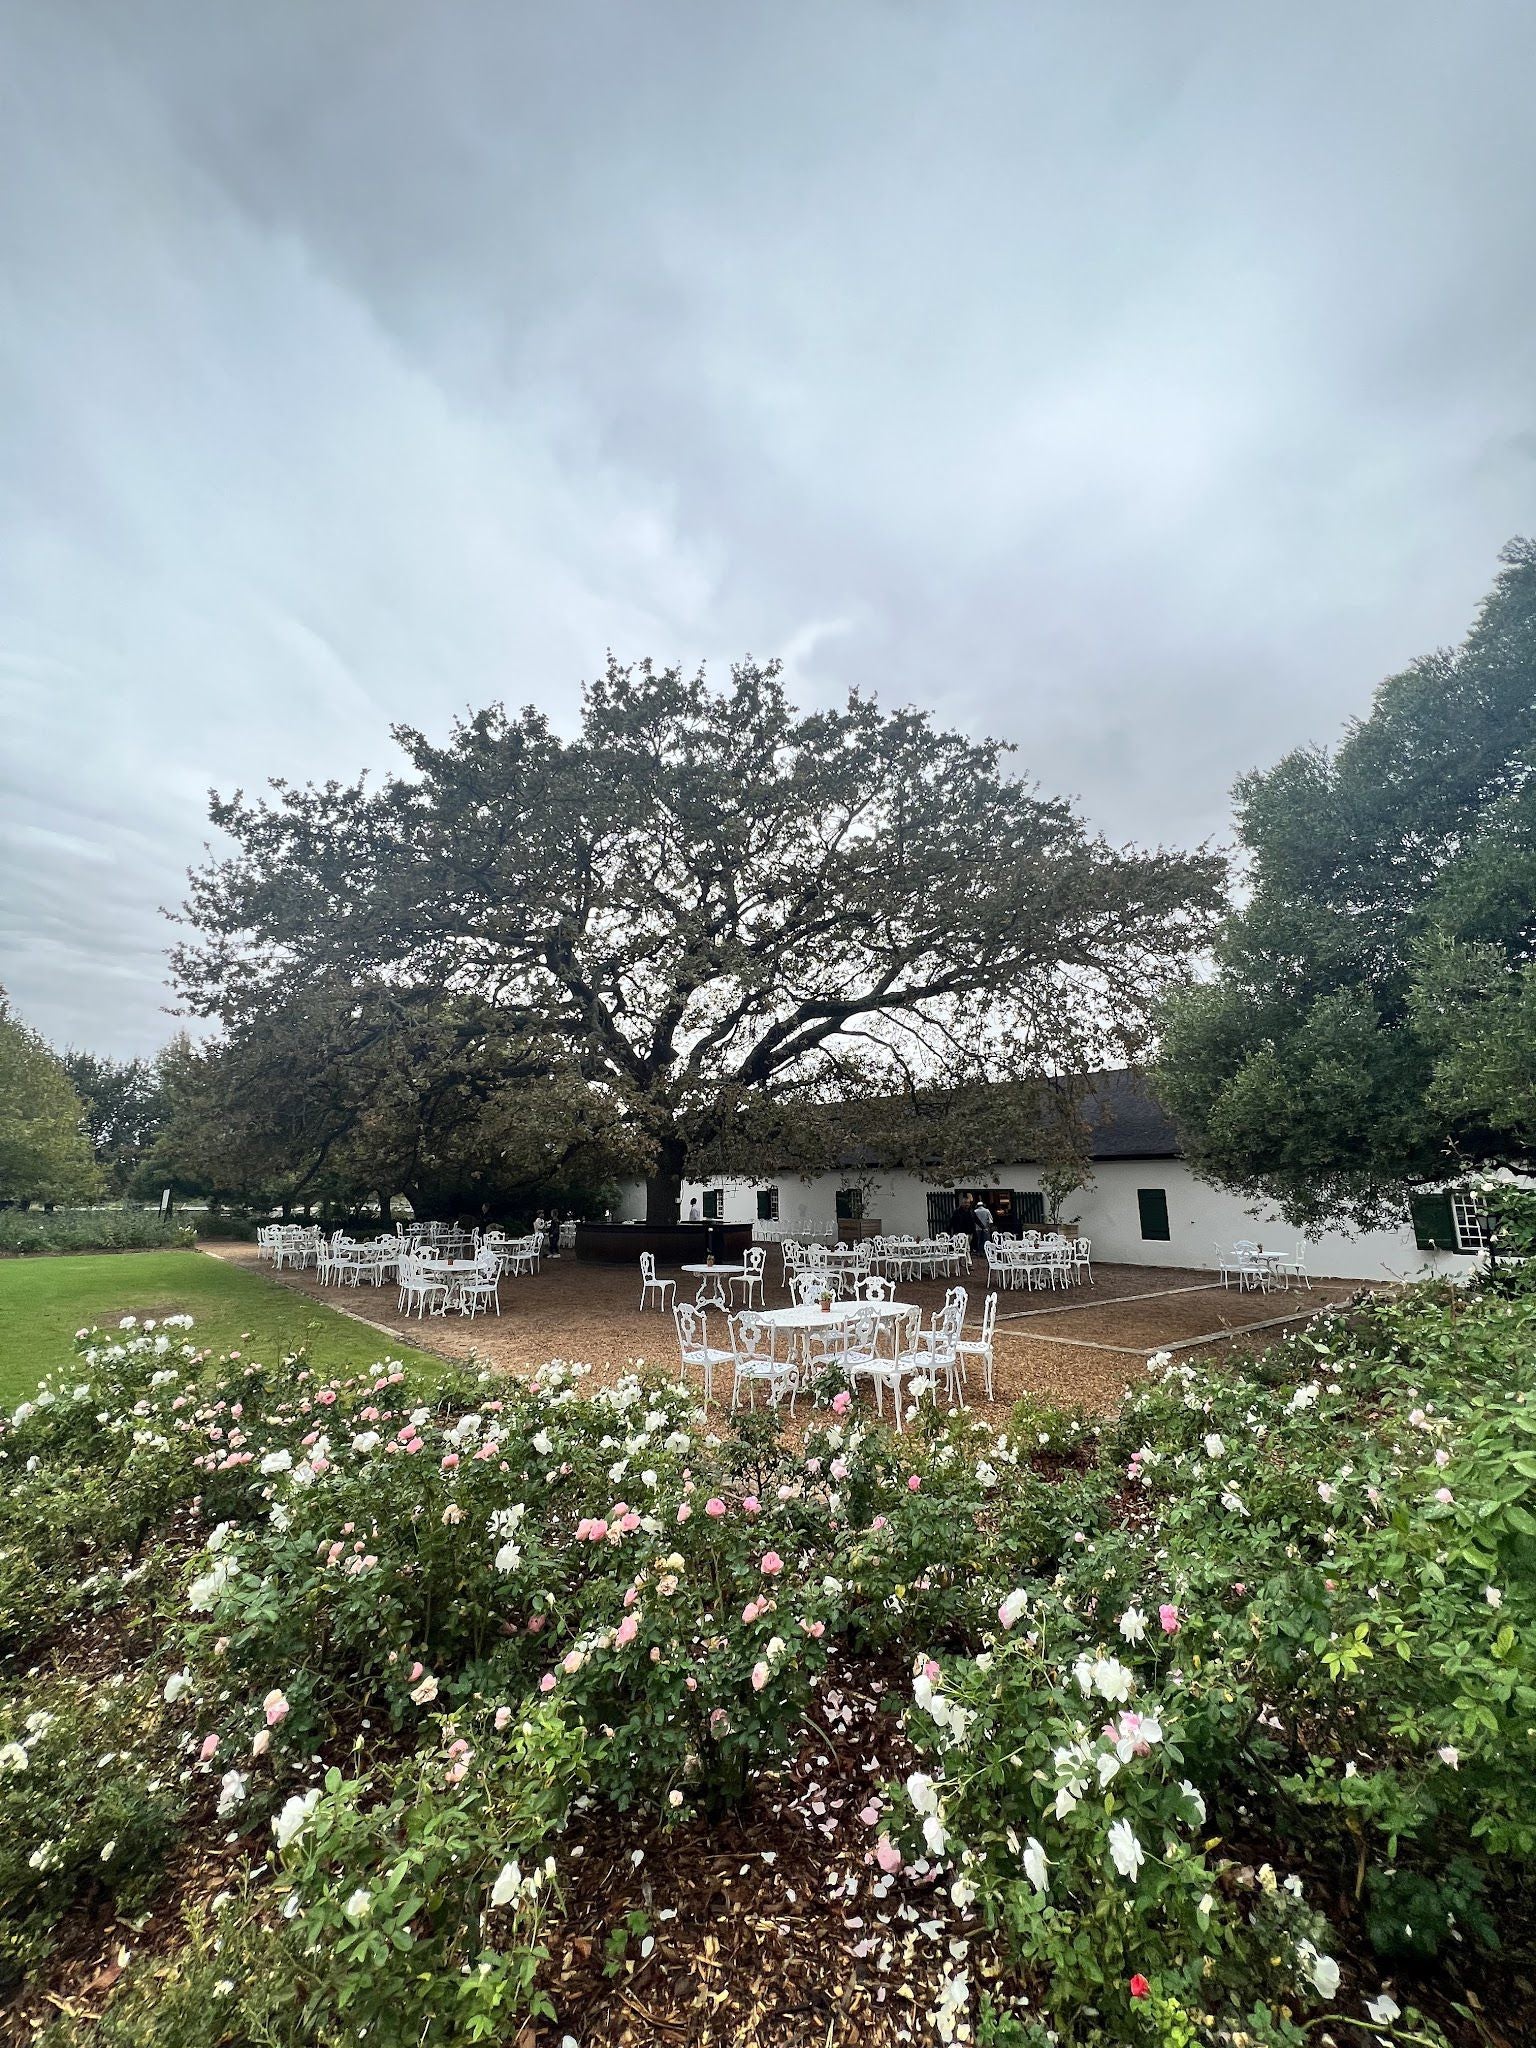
(1253, 1267)
(438, 1269)
(763, 1325)
(1038, 1259)
(865, 1338)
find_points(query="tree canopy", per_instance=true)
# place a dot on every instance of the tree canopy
(704, 909)
(124, 1102)
(1372, 1022)
(45, 1154)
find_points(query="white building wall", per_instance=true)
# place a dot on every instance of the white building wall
(1200, 1218)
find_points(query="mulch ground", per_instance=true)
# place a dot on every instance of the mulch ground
(590, 1314)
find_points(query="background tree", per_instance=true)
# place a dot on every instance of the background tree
(45, 1155)
(703, 904)
(124, 1108)
(1373, 1019)
(312, 1107)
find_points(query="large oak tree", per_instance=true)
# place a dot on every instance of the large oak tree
(707, 907)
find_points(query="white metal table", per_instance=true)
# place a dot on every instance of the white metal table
(711, 1292)
(800, 1321)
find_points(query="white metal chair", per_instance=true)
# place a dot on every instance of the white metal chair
(863, 1359)
(937, 1351)
(809, 1287)
(418, 1284)
(1294, 1267)
(981, 1347)
(694, 1348)
(874, 1287)
(649, 1284)
(482, 1288)
(754, 1365)
(750, 1280)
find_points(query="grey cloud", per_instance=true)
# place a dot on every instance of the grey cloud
(1137, 383)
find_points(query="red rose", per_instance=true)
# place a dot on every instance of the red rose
(1140, 1988)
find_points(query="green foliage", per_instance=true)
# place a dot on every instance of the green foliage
(1206, 1696)
(89, 1805)
(124, 1109)
(1373, 1020)
(667, 939)
(91, 1230)
(45, 1155)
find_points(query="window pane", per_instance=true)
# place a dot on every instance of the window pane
(1152, 1204)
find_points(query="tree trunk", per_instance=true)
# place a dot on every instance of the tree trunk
(664, 1183)
(385, 1202)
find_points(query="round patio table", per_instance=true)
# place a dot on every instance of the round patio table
(711, 1292)
(450, 1266)
(809, 1316)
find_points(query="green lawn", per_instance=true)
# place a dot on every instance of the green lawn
(43, 1301)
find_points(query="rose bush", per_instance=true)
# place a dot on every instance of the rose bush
(1210, 1699)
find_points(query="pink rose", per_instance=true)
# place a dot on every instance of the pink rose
(751, 1505)
(684, 1512)
(209, 1749)
(691, 1683)
(715, 1507)
(772, 1563)
(262, 1742)
(842, 1402)
(450, 1460)
(275, 1707)
(759, 1676)
(627, 1630)
(547, 1682)
(1168, 1615)
(503, 1716)
(931, 1671)
(914, 1484)
(1444, 1495)
(887, 1855)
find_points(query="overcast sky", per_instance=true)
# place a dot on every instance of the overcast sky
(1138, 382)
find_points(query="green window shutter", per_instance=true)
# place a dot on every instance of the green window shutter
(1152, 1205)
(1434, 1225)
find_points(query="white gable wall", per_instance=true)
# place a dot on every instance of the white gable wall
(1199, 1217)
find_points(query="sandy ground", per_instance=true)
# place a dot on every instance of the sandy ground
(1080, 1347)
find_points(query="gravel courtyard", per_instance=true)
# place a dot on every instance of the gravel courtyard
(1084, 1347)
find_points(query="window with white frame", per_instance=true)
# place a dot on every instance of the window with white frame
(1471, 1221)
(768, 1205)
(714, 1204)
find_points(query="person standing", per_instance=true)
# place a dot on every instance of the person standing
(693, 1210)
(982, 1224)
